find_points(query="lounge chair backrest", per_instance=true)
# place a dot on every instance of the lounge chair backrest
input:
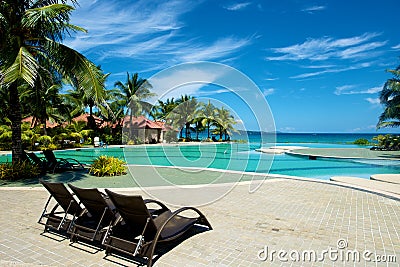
(34, 158)
(50, 156)
(93, 201)
(134, 212)
(63, 197)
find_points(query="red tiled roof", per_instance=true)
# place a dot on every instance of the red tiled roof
(84, 117)
(141, 122)
(30, 119)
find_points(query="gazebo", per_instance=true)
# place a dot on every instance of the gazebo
(142, 130)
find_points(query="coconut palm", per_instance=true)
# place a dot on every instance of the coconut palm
(183, 115)
(209, 114)
(161, 111)
(43, 101)
(31, 35)
(225, 122)
(4, 103)
(135, 91)
(116, 103)
(390, 98)
(79, 100)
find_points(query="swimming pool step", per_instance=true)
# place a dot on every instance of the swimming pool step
(370, 184)
(388, 178)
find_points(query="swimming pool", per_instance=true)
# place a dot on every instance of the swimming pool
(239, 157)
(236, 157)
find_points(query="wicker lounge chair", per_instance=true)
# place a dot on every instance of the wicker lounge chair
(67, 208)
(92, 225)
(140, 232)
(61, 164)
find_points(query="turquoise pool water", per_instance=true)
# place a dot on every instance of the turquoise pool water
(238, 157)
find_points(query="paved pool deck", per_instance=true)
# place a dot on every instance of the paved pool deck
(289, 215)
(293, 215)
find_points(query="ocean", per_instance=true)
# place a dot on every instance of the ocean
(325, 138)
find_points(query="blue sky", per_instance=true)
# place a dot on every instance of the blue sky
(319, 64)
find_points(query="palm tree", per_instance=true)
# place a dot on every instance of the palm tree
(31, 35)
(209, 114)
(183, 115)
(135, 91)
(4, 103)
(79, 100)
(225, 122)
(390, 98)
(161, 111)
(43, 101)
(116, 103)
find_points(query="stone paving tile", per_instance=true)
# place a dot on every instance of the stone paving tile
(290, 215)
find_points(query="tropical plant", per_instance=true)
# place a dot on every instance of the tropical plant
(161, 111)
(19, 170)
(4, 103)
(134, 91)
(225, 122)
(116, 105)
(361, 142)
(31, 42)
(79, 99)
(387, 142)
(43, 102)
(108, 166)
(209, 114)
(182, 115)
(390, 98)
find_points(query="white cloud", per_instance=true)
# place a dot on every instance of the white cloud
(329, 48)
(332, 70)
(374, 101)
(237, 6)
(349, 90)
(396, 47)
(218, 49)
(137, 30)
(313, 9)
(177, 82)
(268, 92)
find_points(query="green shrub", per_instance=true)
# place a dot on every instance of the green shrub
(108, 166)
(48, 147)
(388, 142)
(362, 142)
(18, 171)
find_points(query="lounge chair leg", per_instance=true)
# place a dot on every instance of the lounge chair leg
(44, 209)
(141, 239)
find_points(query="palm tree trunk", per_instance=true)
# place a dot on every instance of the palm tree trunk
(187, 130)
(208, 129)
(15, 116)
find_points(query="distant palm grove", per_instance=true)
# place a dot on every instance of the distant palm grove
(51, 84)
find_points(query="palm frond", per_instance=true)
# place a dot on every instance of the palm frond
(24, 67)
(49, 21)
